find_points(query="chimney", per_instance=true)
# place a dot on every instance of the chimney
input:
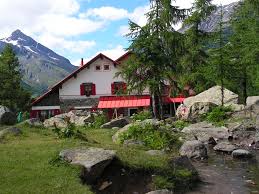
(82, 62)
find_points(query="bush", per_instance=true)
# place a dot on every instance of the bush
(218, 115)
(98, 121)
(162, 182)
(151, 136)
(180, 124)
(141, 116)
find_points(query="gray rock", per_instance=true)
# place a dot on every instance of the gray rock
(55, 121)
(155, 152)
(116, 136)
(252, 100)
(10, 130)
(120, 122)
(212, 141)
(93, 161)
(182, 162)
(6, 116)
(213, 95)
(194, 150)
(225, 147)
(204, 131)
(240, 153)
(195, 110)
(35, 122)
(163, 191)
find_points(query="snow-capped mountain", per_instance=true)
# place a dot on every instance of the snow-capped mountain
(212, 22)
(40, 66)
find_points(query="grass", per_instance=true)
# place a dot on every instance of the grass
(26, 167)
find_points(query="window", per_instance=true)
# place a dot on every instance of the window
(106, 67)
(98, 67)
(118, 87)
(87, 89)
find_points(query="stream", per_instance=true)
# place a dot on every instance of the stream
(221, 174)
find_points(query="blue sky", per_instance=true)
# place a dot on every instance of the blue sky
(77, 28)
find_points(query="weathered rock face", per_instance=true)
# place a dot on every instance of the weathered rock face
(163, 191)
(213, 95)
(225, 147)
(34, 122)
(194, 150)
(204, 101)
(77, 118)
(194, 111)
(120, 122)
(116, 136)
(252, 100)
(93, 161)
(183, 162)
(55, 121)
(6, 116)
(204, 131)
(240, 153)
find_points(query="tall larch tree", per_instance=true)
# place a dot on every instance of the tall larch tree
(156, 49)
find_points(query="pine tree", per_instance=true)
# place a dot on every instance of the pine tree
(12, 94)
(195, 58)
(156, 49)
(243, 49)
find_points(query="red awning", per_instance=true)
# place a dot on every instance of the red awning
(173, 100)
(124, 101)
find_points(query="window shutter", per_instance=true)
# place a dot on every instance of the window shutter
(93, 89)
(82, 90)
(112, 88)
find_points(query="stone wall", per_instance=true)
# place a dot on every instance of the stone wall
(68, 104)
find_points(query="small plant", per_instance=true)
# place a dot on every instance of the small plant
(151, 136)
(218, 115)
(99, 120)
(161, 182)
(141, 116)
(179, 124)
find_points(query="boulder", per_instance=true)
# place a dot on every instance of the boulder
(194, 149)
(155, 152)
(240, 153)
(6, 116)
(120, 122)
(10, 130)
(163, 191)
(193, 112)
(35, 122)
(225, 147)
(182, 162)
(213, 95)
(252, 100)
(203, 131)
(93, 161)
(55, 121)
(116, 136)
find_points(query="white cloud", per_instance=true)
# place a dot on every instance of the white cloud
(138, 15)
(106, 13)
(123, 30)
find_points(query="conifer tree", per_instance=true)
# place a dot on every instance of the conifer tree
(12, 94)
(243, 49)
(195, 58)
(156, 49)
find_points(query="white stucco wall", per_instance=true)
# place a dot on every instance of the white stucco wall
(102, 79)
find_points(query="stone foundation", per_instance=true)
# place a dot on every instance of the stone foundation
(68, 104)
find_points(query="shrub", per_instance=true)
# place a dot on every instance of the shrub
(151, 136)
(162, 182)
(179, 124)
(98, 121)
(218, 115)
(141, 116)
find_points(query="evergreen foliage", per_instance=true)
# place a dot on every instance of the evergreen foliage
(12, 94)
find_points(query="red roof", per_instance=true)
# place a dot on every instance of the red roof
(56, 86)
(123, 57)
(124, 101)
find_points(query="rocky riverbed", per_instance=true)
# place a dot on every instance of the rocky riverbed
(221, 174)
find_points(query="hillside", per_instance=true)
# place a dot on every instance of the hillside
(40, 66)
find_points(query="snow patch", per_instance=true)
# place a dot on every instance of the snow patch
(28, 48)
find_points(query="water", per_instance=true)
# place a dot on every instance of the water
(223, 175)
